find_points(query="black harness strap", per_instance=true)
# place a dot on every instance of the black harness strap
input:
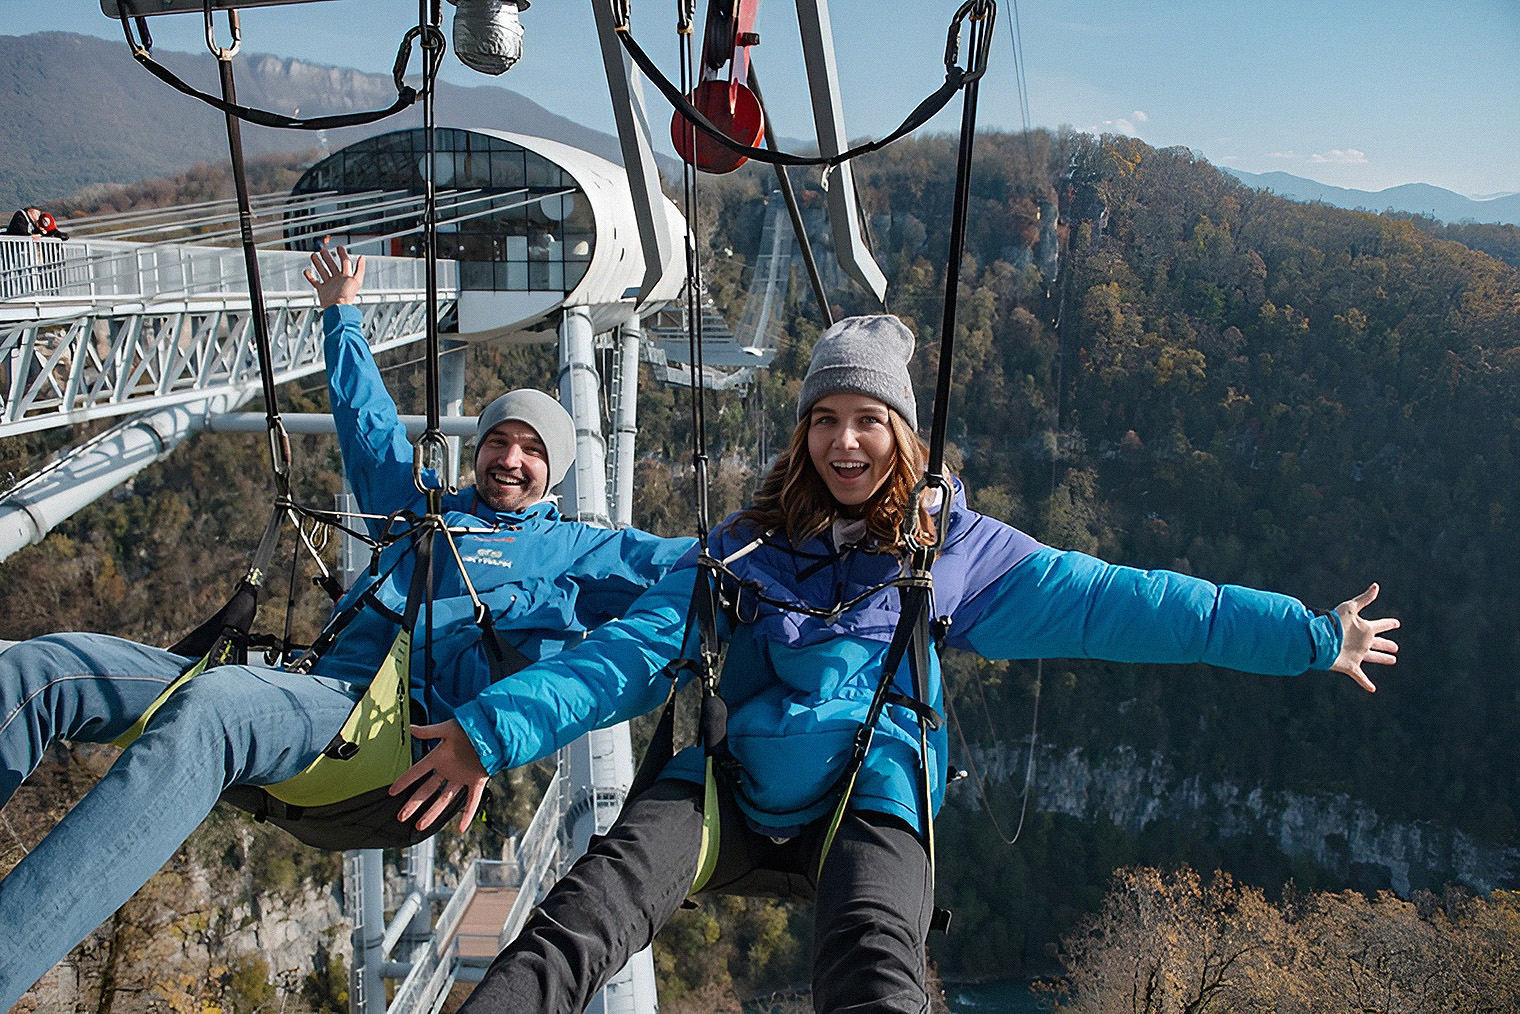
(913, 638)
(419, 590)
(955, 79)
(142, 52)
(224, 637)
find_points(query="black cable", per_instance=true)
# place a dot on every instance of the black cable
(980, 31)
(955, 77)
(142, 52)
(279, 439)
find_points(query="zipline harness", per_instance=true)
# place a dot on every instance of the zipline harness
(914, 637)
(341, 800)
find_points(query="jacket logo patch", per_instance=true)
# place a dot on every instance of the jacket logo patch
(490, 557)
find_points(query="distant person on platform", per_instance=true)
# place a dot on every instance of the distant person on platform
(32, 221)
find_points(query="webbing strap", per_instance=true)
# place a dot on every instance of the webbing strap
(142, 52)
(340, 622)
(917, 584)
(955, 79)
(502, 658)
(913, 622)
(374, 746)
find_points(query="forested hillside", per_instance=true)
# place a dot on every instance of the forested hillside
(1218, 381)
(1253, 391)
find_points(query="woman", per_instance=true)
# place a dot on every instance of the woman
(798, 680)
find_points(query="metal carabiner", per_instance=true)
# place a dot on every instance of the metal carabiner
(232, 22)
(430, 454)
(983, 14)
(910, 517)
(279, 452)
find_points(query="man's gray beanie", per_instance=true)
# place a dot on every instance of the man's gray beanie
(863, 355)
(547, 417)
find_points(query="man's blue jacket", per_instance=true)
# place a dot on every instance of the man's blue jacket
(546, 580)
(797, 686)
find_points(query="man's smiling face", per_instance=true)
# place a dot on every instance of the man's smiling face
(511, 467)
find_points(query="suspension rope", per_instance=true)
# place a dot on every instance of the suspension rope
(1016, 42)
(430, 451)
(233, 621)
(918, 593)
(956, 78)
(912, 638)
(142, 52)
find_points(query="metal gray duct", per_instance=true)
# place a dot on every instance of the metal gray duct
(92, 469)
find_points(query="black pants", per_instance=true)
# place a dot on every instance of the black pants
(870, 919)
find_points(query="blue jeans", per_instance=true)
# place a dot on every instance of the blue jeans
(249, 725)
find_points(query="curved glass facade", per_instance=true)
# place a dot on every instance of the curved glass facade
(512, 218)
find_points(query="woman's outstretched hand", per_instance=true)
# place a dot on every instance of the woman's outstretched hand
(449, 768)
(1362, 639)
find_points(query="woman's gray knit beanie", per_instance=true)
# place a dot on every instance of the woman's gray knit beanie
(863, 355)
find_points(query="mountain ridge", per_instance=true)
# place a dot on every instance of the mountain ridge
(79, 112)
(1411, 198)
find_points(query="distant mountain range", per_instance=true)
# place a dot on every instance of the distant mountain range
(76, 110)
(1415, 198)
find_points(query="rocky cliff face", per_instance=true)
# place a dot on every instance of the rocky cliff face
(1352, 842)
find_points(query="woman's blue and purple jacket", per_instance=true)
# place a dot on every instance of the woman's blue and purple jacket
(798, 687)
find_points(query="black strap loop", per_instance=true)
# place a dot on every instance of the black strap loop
(924, 112)
(502, 658)
(142, 53)
(925, 714)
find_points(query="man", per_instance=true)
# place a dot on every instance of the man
(545, 580)
(33, 221)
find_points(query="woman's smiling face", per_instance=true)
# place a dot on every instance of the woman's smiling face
(851, 445)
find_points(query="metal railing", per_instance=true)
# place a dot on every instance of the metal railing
(116, 350)
(49, 278)
(537, 856)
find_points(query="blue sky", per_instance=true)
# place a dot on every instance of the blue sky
(1365, 95)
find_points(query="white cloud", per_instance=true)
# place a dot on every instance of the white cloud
(1138, 116)
(1347, 156)
(1118, 126)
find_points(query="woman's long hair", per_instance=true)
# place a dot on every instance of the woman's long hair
(793, 498)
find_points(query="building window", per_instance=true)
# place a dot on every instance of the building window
(513, 219)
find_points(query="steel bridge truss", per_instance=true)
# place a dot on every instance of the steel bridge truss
(110, 355)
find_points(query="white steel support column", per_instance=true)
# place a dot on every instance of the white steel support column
(363, 869)
(625, 88)
(419, 884)
(91, 470)
(828, 115)
(584, 493)
(451, 370)
(366, 896)
(625, 403)
(600, 765)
